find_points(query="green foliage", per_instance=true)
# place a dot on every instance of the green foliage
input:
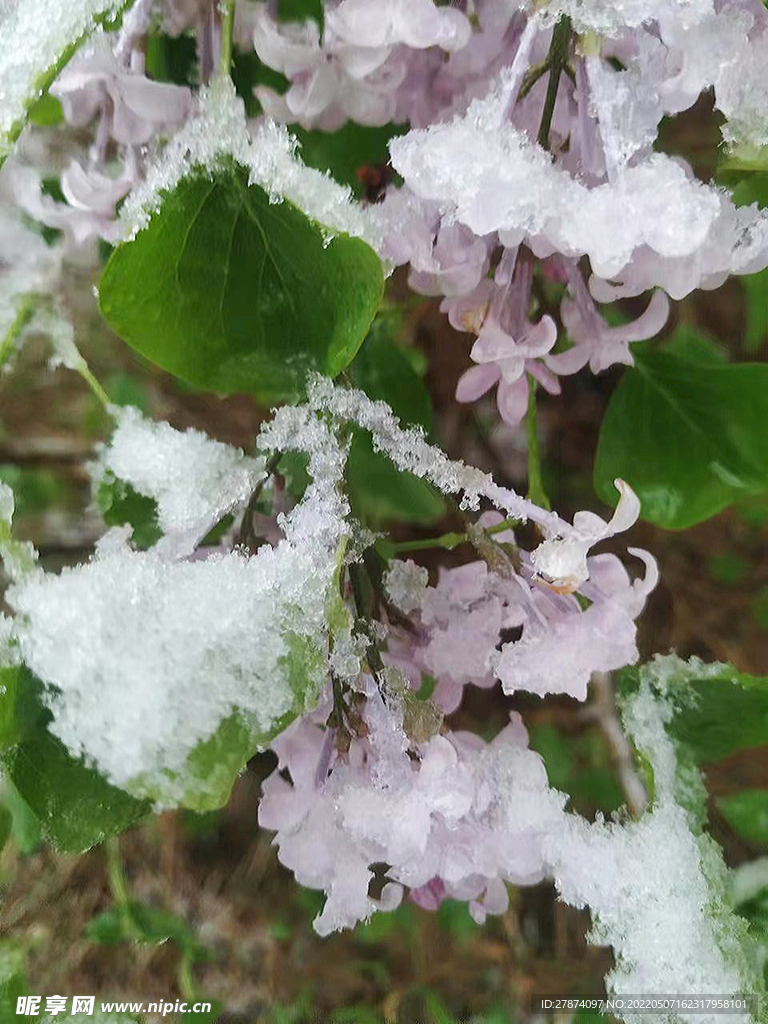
(20, 709)
(378, 491)
(47, 112)
(34, 490)
(152, 926)
(6, 825)
(717, 710)
(687, 431)
(233, 293)
(210, 770)
(454, 918)
(579, 766)
(755, 910)
(171, 58)
(345, 153)
(121, 505)
(756, 294)
(209, 1017)
(25, 827)
(248, 72)
(300, 10)
(728, 569)
(759, 608)
(747, 814)
(13, 982)
(744, 170)
(75, 805)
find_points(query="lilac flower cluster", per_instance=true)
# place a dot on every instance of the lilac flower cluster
(531, 194)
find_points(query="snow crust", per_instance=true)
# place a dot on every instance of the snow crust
(218, 131)
(656, 889)
(488, 175)
(148, 654)
(194, 480)
(35, 34)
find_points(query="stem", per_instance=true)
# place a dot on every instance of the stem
(505, 524)
(85, 372)
(536, 492)
(119, 887)
(557, 59)
(448, 541)
(186, 980)
(603, 709)
(20, 321)
(245, 533)
(117, 884)
(227, 32)
(531, 77)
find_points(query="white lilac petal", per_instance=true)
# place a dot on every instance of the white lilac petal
(563, 560)
(417, 23)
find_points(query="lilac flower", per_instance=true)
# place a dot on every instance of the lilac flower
(508, 345)
(90, 208)
(594, 342)
(562, 561)
(134, 108)
(563, 644)
(459, 820)
(419, 24)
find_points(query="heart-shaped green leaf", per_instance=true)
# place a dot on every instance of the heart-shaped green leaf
(688, 432)
(235, 293)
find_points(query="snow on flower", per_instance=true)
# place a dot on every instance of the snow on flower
(466, 813)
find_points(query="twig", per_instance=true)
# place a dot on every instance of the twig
(603, 710)
(557, 61)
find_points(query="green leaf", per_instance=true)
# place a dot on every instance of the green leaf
(688, 433)
(248, 72)
(579, 766)
(47, 112)
(717, 710)
(755, 910)
(747, 814)
(744, 170)
(171, 59)
(20, 710)
(300, 10)
(121, 505)
(201, 1017)
(234, 293)
(385, 374)
(6, 826)
(76, 806)
(756, 293)
(211, 768)
(379, 491)
(13, 982)
(25, 828)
